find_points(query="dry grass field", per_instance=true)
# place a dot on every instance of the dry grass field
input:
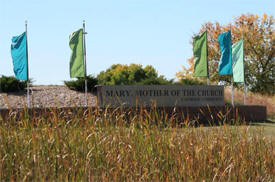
(105, 145)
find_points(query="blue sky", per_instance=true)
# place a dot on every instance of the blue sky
(155, 32)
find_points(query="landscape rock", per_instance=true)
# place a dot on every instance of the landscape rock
(46, 96)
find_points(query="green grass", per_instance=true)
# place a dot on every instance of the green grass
(140, 146)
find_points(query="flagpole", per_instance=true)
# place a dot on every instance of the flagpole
(207, 60)
(232, 79)
(244, 85)
(0, 85)
(27, 53)
(85, 64)
(244, 93)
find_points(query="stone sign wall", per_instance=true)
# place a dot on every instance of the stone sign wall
(160, 95)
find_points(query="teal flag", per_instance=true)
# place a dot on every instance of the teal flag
(77, 58)
(19, 56)
(200, 55)
(237, 59)
(225, 63)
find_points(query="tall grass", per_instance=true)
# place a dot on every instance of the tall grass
(111, 145)
(252, 99)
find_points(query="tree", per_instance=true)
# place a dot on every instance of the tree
(259, 50)
(131, 74)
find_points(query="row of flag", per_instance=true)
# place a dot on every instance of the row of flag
(231, 60)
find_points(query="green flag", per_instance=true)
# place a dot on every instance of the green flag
(77, 58)
(237, 61)
(200, 55)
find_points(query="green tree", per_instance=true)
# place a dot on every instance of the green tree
(131, 74)
(259, 50)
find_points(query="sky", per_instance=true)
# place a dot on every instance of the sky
(146, 32)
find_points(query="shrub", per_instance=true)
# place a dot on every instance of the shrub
(190, 81)
(131, 74)
(12, 84)
(79, 84)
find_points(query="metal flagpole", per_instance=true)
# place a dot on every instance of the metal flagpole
(244, 85)
(0, 85)
(85, 64)
(244, 93)
(207, 60)
(28, 80)
(232, 80)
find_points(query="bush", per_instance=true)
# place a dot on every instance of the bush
(190, 81)
(12, 84)
(79, 84)
(131, 74)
